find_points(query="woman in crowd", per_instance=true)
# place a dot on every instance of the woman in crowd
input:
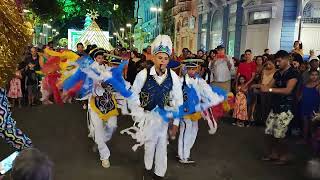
(257, 80)
(210, 65)
(134, 66)
(310, 102)
(265, 98)
(297, 48)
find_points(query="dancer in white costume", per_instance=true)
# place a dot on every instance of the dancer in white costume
(156, 87)
(102, 108)
(195, 91)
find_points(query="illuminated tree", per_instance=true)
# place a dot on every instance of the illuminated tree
(88, 22)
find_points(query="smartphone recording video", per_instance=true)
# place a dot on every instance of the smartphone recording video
(6, 164)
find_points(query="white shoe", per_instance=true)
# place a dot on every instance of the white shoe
(187, 161)
(105, 163)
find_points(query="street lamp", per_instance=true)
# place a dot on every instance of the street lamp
(116, 37)
(156, 10)
(25, 10)
(122, 30)
(129, 34)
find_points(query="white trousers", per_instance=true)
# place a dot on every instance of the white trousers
(187, 137)
(102, 133)
(155, 149)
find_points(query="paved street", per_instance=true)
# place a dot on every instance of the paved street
(232, 154)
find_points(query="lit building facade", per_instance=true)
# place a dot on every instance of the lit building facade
(185, 14)
(149, 22)
(258, 24)
(236, 24)
(310, 25)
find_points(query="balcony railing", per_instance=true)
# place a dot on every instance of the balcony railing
(310, 20)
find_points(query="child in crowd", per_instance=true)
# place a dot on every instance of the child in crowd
(31, 83)
(15, 92)
(310, 101)
(240, 112)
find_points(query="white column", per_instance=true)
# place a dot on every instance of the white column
(275, 27)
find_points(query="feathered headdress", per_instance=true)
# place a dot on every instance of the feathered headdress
(162, 44)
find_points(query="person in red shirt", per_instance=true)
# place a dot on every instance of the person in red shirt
(248, 68)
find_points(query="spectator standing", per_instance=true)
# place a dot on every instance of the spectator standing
(209, 65)
(310, 102)
(312, 55)
(133, 66)
(34, 59)
(314, 66)
(184, 55)
(80, 49)
(282, 88)
(266, 52)
(15, 92)
(248, 69)
(147, 53)
(298, 48)
(50, 45)
(31, 83)
(240, 112)
(303, 67)
(200, 54)
(222, 69)
(265, 98)
(255, 95)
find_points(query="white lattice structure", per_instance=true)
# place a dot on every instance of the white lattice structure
(94, 35)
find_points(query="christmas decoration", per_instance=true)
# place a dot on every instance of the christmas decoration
(94, 35)
(88, 22)
(15, 34)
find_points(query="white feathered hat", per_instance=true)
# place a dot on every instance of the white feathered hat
(163, 44)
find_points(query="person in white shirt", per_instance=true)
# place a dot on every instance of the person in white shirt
(156, 87)
(223, 69)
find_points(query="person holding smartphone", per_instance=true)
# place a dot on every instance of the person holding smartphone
(27, 164)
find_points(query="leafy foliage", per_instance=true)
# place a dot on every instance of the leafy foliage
(71, 13)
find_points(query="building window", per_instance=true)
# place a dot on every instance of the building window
(311, 13)
(216, 30)
(204, 18)
(233, 8)
(185, 22)
(259, 17)
(231, 42)
(203, 37)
